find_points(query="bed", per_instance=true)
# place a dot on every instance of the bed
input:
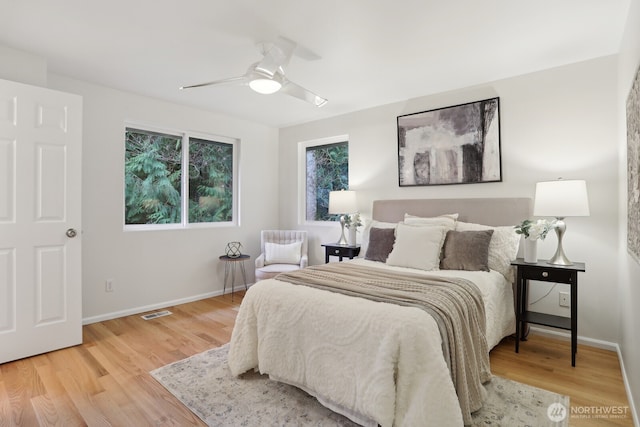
(393, 339)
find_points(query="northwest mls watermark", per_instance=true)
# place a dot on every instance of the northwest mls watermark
(557, 412)
(602, 412)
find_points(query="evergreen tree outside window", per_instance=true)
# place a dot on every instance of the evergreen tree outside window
(327, 169)
(173, 180)
(210, 181)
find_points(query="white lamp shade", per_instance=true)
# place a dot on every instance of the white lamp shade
(561, 198)
(342, 202)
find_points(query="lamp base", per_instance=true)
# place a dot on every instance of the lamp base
(559, 258)
(343, 239)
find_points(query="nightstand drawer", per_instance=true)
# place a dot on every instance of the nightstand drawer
(339, 251)
(548, 275)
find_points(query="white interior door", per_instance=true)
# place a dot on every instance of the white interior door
(40, 177)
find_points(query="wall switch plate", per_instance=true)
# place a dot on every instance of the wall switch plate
(565, 301)
(108, 285)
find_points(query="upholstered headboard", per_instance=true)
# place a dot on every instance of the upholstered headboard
(491, 211)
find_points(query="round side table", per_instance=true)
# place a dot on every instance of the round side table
(230, 266)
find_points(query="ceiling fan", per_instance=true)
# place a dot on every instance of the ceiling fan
(267, 76)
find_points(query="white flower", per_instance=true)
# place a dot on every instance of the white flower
(539, 230)
(352, 220)
(534, 230)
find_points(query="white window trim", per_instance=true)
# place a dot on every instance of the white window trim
(184, 208)
(302, 176)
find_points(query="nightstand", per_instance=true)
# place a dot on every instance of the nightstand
(545, 272)
(341, 251)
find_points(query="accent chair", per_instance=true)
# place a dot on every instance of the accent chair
(281, 251)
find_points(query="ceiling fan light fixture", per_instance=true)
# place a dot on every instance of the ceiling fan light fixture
(265, 86)
(267, 76)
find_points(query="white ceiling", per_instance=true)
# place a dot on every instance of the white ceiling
(371, 52)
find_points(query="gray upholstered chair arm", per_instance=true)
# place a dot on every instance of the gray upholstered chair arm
(304, 261)
(260, 261)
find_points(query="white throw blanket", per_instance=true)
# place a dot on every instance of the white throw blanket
(308, 338)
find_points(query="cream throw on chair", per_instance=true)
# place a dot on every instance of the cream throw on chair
(281, 251)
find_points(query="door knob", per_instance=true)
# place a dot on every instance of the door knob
(71, 233)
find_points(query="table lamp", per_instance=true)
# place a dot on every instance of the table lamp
(560, 199)
(341, 203)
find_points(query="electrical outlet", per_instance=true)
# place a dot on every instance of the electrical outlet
(108, 285)
(565, 301)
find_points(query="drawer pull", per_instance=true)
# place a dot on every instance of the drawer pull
(337, 251)
(545, 274)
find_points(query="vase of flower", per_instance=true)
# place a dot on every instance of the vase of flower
(532, 231)
(352, 222)
(351, 238)
(530, 250)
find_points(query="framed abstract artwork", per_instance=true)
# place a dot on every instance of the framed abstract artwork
(633, 166)
(450, 145)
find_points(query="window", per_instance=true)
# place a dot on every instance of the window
(326, 168)
(210, 181)
(176, 179)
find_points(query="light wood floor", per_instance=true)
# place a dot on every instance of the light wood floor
(105, 381)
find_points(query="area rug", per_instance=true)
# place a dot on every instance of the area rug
(205, 385)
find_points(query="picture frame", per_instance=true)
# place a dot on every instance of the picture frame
(633, 169)
(458, 144)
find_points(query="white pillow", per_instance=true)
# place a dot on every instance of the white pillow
(276, 253)
(502, 249)
(417, 247)
(447, 221)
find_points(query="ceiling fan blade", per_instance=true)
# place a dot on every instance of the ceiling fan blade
(290, 88)
(306, 53)
(217, 82)
(276, 56)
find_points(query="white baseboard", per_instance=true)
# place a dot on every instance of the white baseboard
(606, 345)
(142, 309)
(632, 406)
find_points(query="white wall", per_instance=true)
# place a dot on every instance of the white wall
(559, 122)
(22, 67)
(151, 268)
(629, 63)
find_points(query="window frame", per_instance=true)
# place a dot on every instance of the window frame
(302, 175)
(184, 183)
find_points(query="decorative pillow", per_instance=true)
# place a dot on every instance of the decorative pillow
(417, 247)
(466, 250)
(276, 253)
(364, 246)
(502, 249)
(447, 221)
(380, 244)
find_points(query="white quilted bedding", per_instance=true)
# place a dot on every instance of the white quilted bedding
(376, 363)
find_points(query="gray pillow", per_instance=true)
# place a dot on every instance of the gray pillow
(380, 244)
(466, 250)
